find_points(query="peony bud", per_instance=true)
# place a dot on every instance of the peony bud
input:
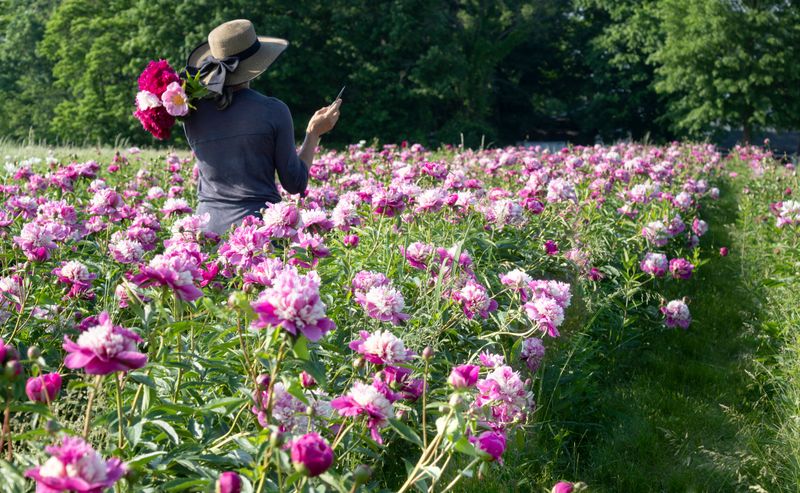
(263, 381)
(350, 241)
(723, 252)
(463, 376)
(311, 454)
(491, 443)
(34, 352)
(229, 482)
(13, 369)
(427, 353)
(562, 487)
(362, 473)
(44, 388)
(307, 381)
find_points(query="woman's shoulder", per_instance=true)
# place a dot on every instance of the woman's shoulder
(263, 99)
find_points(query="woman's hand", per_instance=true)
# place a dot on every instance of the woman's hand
(324, 119)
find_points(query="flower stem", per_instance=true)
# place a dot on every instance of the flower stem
(460, 475)
(119, 410)
(88, 415)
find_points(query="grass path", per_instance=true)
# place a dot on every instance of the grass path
(679, 410)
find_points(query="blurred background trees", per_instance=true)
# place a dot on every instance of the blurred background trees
(421, 70)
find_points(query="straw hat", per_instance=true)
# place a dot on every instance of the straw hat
(233, 54)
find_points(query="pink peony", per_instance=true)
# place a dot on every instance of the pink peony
(367, 400)
(463, 376)
(157, 76)
(293, 304)
(677, 314)
(229, 482)
(503, 398)
(44, 388)
(104, 348)
(381, 348)
(475, 300)
(75, 466)
(491, 443)
(175, 100)
(77, 276)
(680, 268)
(178, 272)
(655, 264)
(383, 303)
(563, 487)
(532, 353)
(311, 454)
(547, 313)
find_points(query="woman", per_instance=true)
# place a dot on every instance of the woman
(240, 137)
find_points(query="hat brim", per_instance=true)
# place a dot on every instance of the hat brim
(249, 68)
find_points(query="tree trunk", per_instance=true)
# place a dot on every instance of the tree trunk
(746, 134)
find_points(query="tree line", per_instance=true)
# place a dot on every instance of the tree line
(431, 71)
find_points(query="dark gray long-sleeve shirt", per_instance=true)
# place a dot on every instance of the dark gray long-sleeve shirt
(239, 150)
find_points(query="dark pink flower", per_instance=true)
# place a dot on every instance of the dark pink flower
(157, 76)
(491, 443)
(307, 381)
(723, 251)
(104, 348)
(366, 400)
(463, 376)
(563, 487)
(350, 241)
(229, 482)
(311, 454)
(550, 247)
(44, 388)
(681, 268)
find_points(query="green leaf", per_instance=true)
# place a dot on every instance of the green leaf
(406, 432)
(168, 429)
(300, 348)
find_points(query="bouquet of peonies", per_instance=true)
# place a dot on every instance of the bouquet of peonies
(163, 96)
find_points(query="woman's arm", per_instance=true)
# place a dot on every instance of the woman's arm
(322, 122)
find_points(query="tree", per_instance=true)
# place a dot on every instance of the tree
(730, 63)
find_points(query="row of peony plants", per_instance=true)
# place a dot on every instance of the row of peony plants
(384, 331)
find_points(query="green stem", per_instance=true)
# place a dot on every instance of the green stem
(119, 410)
(87, 418)
(460, 475)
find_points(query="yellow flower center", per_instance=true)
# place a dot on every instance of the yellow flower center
(178, 100)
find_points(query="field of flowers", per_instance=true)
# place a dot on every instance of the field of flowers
(411, 323)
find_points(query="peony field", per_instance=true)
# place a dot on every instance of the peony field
(510, 319)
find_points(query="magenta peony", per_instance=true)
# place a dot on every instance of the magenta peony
(492, 445)
(463, 376)
(157, 76)
(75, 466)
(229, 482)
(293, 304)
(44, 388)
(311, 454)
(104, 348)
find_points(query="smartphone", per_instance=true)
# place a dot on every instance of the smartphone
(339, 95)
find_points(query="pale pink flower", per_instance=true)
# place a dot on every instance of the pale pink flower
(547, 313)
(383, 303)
(381, 348)
(293, 304)
(175, 100)
(144, 101)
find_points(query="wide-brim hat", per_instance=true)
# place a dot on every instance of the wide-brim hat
(238, 39)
